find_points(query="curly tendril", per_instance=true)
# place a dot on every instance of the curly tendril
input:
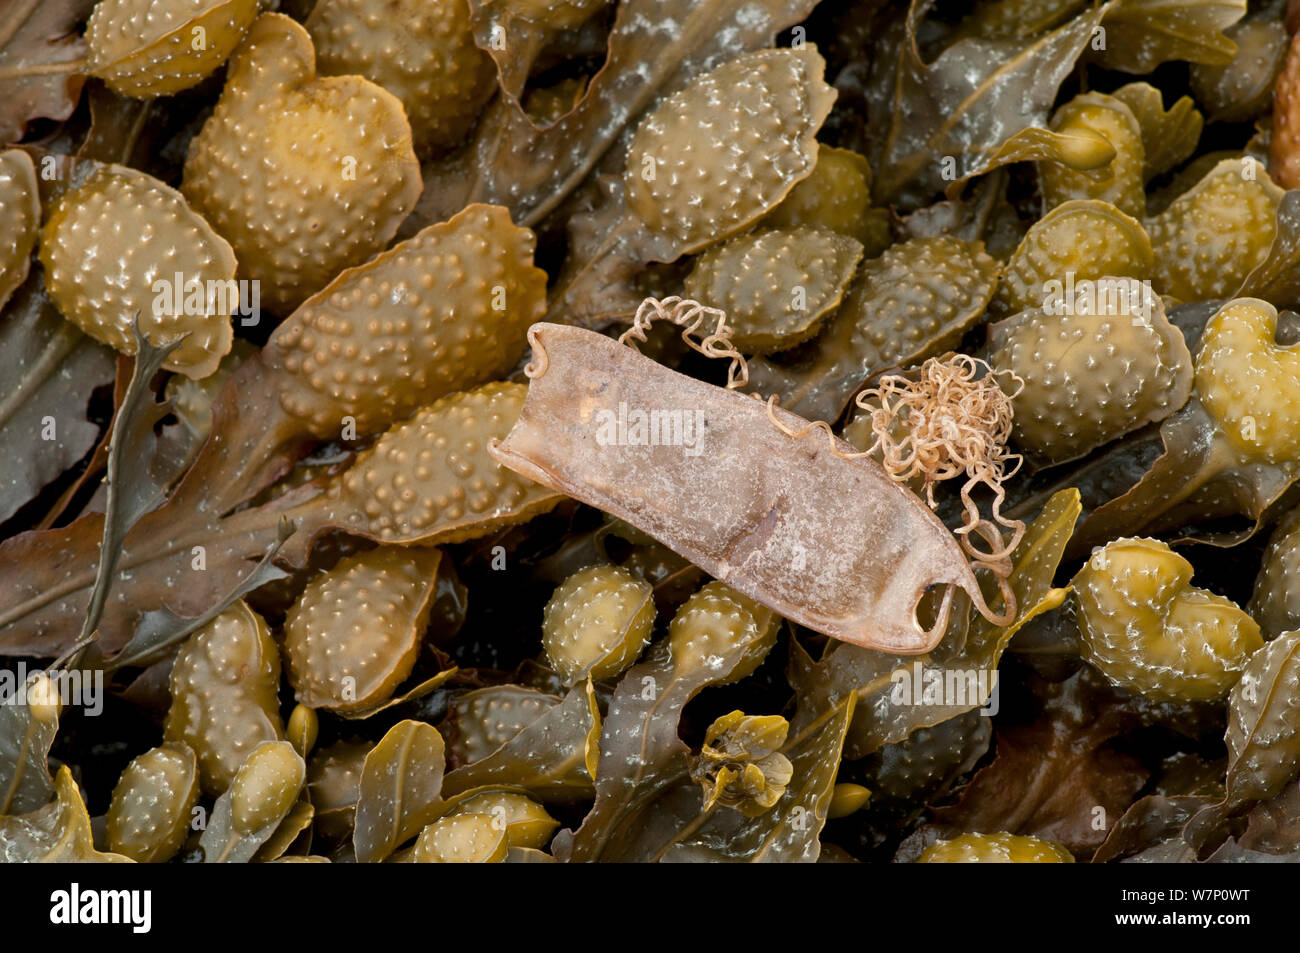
(689, 316)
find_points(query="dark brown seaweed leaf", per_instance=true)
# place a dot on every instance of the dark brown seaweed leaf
(191, 539)
(48, 371)
(1273, 826)
(161, 629)
(1150, 829)
(1200, 477)
(1055, 778)
(133, 489)
(36, 34)
(982, 103)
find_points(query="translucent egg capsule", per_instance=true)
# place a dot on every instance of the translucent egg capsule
(1284, 148)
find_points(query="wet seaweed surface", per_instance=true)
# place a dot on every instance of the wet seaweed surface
(443, 431)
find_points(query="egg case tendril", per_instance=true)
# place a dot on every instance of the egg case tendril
(957, 422)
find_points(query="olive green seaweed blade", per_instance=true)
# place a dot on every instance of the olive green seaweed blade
(531, 169)
(892, 703)
(721, 634)
(58, 833)
(1170, 135)
(263, 792)
(1142, 34)
(913, 301)
(29, 720)
(151, 811)
(20, 219)
(430, 479)
(1263, 736)
(152, 49)
(401, 781)
(1085, 378)
(553, 757)
(441, 312)
(790, 831)
(478, 723)
(355, 632)
(776, 285)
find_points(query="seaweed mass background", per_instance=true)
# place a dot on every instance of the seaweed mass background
(272, 277)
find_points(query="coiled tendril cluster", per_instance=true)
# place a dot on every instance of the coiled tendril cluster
(951, 421)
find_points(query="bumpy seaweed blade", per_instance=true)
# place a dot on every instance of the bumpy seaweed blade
(654, 47)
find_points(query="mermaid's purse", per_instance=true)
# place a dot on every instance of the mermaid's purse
(799, 521)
